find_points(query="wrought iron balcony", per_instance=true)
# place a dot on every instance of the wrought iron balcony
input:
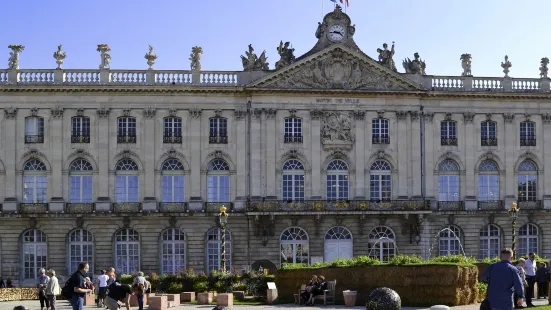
(172, 138)
(448, 141)
(451, 205)
(380, 139)
(126, 139)
(218, 139)
(130, 207)
(488, 142)
(528, 141)
(214, 207)
(80, 139)
(31, 208)
(34, 138)
(173, 207)
(292, 139)
(529, 204)
(80, 207)
(490, 205)
(341, 205)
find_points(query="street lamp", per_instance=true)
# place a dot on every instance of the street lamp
(514, 213)
(223, 219)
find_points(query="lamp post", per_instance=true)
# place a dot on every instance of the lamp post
(513, 211)
(223, 219)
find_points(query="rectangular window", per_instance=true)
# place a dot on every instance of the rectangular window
(488, 187)
(174, 257)
(35, 189)
(80, 130)
(488, 135)
(81, 190)
(126, 188)
(379, 131)
(380, 187)
(293, 187)
(127, 257)
(34, 130)
(527, 185)
(218, 130)
(173, 188)
(337, 187)
(527, 134)
(80, 253)
(214, 248)
(34, 258)
(293, 130)
(448, 133)
(172, 130)
(126, 130)
(448, 188)
(218, 188)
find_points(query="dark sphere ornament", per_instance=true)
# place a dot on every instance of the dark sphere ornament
(384, 298)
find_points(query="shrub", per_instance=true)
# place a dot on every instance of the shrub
(200, 287)
(239, 287)
(362, 261)
(482, 289)
(401, 260)
(456, 259)
(175, 288)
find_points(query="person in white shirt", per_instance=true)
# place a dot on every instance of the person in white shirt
(52, 289)
(102, 287)
(139, 287)
(530, 278)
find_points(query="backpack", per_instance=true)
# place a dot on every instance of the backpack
(68, 290)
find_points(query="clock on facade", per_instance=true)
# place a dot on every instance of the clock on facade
(336, 32)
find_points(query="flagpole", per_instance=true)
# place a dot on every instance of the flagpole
(322, 10)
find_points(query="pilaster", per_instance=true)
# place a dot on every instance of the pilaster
(240, 125)
(360, 155)
(149, 152)
(401, 137)
(195, 145)
(430, 191)
(271, 134)
(415, 140)
(315, 156)
(10, 163)
(546, 132)
(510, 146)
(56, 132)
(256, 155)
(102, 124)
(470, 160)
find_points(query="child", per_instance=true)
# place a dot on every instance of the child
(541, 278)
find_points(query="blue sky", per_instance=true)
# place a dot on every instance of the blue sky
(440, 30)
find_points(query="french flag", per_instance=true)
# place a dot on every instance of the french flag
(342, 1)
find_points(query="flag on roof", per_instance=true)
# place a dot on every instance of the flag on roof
(343, 1)
(334, 1)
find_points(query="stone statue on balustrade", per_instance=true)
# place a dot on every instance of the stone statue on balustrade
(151, 57)
(13, 61)
(104, 50)
(286, 55)
(506, 65)
(466, 64)
(415, 66)
(195, 57)
(385, 57)
(59, 56)
(543, 69)
(252, 62)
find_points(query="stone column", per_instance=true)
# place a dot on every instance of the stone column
(360, 155)
(401, 136)
(429, 155)
(149, 200)
(104, 191)
(470, 147)
(315, 156)
(10, 162)
(546, 132)
(240, 125)
(415, 139)
(56, 132)
(256, 155)
(510, 142)
(195, 144)
(270, 134)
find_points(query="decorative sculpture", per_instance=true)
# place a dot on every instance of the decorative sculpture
(320, 31)
(252, 62)
(543, 69)
(384, 299)
(59, 56)
(415, 66)
(13, 61)
(150, 57)
(337, 126)
(466, 64)
(385, 56)
(104, 50)
(195, 57)
(286, 55)
(506, 65)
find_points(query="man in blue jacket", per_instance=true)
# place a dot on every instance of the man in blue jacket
(503, 281)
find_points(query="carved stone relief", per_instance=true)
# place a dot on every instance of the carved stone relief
(429, 117)
(316, 114)
(240, 114)
(508, 117)
(546, 118)
(103, 112)
(56, 112)
(195, 113)
(359, 114)
(10, 112)
(270, 113)
(468, 117)
(401, 115)
(80, 112)
(337, 130)
(126, 112)
(149, 112)
(34, 111)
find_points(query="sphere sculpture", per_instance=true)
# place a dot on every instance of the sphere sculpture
(384, 299)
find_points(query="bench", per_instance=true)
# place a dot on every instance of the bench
(328, 296)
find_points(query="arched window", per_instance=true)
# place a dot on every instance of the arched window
(489, 242)
(174, 251)
(34, 252)
(528, 239)
(294, 246)
(450, 241)
(214, 250)
(173, 181)
(218, 181)
(337, 180)
(127, 251)
(81, 185)
(527, 181)
(35, 182)
(381, 244)
(338, 244)
(488, 181)
(81, 249)
(127, 184)
(448, 181)
(380, 187)
(293, 180)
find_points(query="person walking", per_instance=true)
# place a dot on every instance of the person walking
(139, 288)
(541, 279)
(530, 269)
(102, 291)
(503, 281)
(52, 289)
(42, 282)
(79, 287)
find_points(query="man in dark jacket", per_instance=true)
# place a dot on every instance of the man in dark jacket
(503, 281)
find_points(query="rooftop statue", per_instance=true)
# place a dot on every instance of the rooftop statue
(151, 57)
(286, 55)
(252, 62)
(385, 57)
(13, 61)
(543, 69)
(415, 66)
(59, 56)
(195, 57)
(466, 64)
(104, 50)
(506, 65)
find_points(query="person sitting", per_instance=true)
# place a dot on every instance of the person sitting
(317, 290)
(305, 295)
(9, 284)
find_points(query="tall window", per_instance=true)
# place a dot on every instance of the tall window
(174, 251)
(448, 181)
(127, 184)
(81, 129)
(294, 246)
(379, 131)
(81, 190)
(126, 130)
(173, 181)
(337, 180)
(528, 239)
(173, 130)
(214, 250)
(381, 244)
(35, 252)
(338, 244)
(218, 181)
(293, 180)
(488, 181)
(81, 249)
(218, 132)
(379, 181)
(127, 251)
(34, 129)
(527, 134)
(35, 182)
(527, 181)
(450, 241)
(448, 133)
(293, 129)
(488, 133)
(489, 242)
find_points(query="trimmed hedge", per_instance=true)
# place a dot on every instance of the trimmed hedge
(16, 294)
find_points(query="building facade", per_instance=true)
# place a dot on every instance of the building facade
(331, 155)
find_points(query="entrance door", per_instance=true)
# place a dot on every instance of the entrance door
(338, 244)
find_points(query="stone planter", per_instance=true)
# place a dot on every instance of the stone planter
(204, 298)
(187, 297)
(134, 300)
(225, 300)
(158, 302)
(349, 298)
(89, 300)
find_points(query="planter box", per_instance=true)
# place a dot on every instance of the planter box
(134, 300)
(239, 295)
(224, 300)
(90, 300)
(158, 302)
(204, 298)
(174, 298)
(187, 297)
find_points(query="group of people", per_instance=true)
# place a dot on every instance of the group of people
(532, 274)
(7, 284)
(315, 287)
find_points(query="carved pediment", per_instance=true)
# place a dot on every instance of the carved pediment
(337, 67)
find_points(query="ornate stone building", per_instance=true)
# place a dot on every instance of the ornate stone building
(334, 154)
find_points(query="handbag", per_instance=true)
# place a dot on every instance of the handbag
(485, 305)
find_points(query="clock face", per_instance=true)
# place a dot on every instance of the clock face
(336, 32)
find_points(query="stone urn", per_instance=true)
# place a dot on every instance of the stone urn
(384, 299)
